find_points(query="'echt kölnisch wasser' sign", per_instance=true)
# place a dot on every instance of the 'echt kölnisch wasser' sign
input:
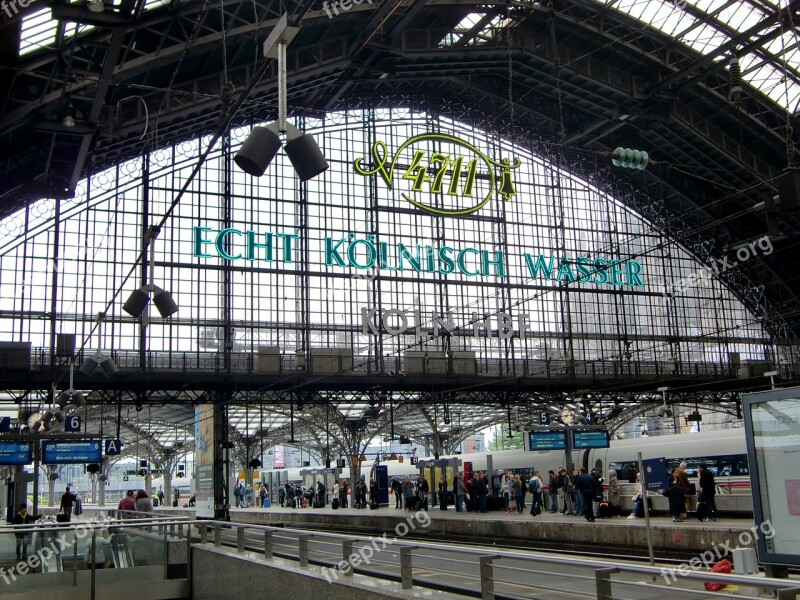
(367, 253)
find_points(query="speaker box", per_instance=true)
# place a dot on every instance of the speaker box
(65, 345)
(789, 191)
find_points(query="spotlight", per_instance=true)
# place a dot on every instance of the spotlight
(259, 150)
(69, 396)
(88, 366)
(164, 303)
(665, 411)
(69, 121)
(96, 6)
(137, 301)
(106, 363)
(306, 157)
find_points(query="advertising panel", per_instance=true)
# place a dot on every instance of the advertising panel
(204, 460)
(772, 427)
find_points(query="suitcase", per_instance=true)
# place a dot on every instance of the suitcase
(373, 505)
(702, 511)
(335, 503)
(266, 503)
(604, 511)
(596, 508)
(62, 518)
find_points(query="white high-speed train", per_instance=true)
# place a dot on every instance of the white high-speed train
(723, 451)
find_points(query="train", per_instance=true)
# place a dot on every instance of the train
(724, 451)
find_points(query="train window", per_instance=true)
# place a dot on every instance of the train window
(626, 471)
(598, 464)
(726, 465)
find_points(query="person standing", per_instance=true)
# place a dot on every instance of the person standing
(408, 494)
(535, 488)
(127, 505)
(460, 492)
(578, 496)
(518, 489)
(481, 491)
(614, 494)
(176, 496)
(552, 490)
(683, 480)
(442, 494)
(23, 539)
(708, 491)
(585, 485)
(143, 503)
(67, 503)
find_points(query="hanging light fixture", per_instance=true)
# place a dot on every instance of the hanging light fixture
(106, 363)
(96, 6)
(262, 145)
(137, 301)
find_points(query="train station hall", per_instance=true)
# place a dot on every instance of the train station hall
(399, 299)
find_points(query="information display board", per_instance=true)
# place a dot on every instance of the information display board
(16, 453)
(56, 452)
(595, 438)
(772, 428)
(546, 440)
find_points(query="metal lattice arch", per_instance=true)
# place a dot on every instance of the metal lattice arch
(74, 254)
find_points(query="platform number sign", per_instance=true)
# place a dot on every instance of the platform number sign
(544, 418)
(72, 424)
(113, 447)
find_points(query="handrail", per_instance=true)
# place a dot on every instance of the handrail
(498, 554)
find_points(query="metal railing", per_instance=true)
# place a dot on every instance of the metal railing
(97, 553)
(247, 362)
(479, 573)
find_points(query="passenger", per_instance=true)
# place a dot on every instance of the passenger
(508, 493)
(335, 491)
(637, 498)
(708, 491)
(460, 492)
(535, 488)
(176, 496)
(552, 487)
(281, 494)
(442, 494)
(321, 499)
(677, 500)
(683, 480)
(423, 488)
(566, 489)
(586, 486)
(143, 502)
(579, 508)
(614, 496)
(23, 539)
(127, 505)
(396, 490)
(67, 503)
(408, 494)
(518, 488)
(481, 491)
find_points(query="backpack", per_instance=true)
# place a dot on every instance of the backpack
(533, 486)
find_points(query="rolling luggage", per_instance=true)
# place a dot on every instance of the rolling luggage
(702, 511)
(62, 518)
(335, 503)
(604, 511)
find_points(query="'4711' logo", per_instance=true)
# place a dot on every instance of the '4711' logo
(441, 183)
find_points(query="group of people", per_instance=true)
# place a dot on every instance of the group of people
(298, 495)
(247, 496)
(135, 501)
(681, 489)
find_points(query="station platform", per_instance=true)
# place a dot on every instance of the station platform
(614, 536)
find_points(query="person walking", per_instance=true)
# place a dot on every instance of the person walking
(67, 504)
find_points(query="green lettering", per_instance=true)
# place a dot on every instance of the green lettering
(534, 268)
(600, 266)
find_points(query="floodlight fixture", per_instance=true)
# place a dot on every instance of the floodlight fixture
(664, 410)
(96, 6)
(262, 145)
(90, 363)
(137, 302)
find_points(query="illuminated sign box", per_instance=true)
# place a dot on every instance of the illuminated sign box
(581, 440)
(65, 453)
(16, 453)
(546, 440)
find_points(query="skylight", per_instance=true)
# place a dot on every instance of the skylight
(763, 69)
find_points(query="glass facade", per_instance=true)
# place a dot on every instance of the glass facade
(551, 273)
